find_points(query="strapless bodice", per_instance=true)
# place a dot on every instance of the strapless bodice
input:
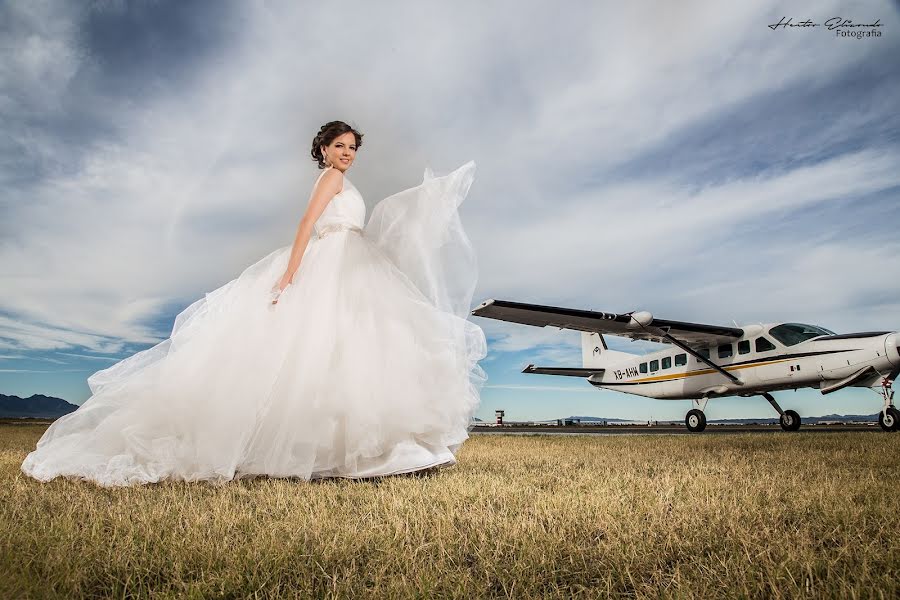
(347, 209)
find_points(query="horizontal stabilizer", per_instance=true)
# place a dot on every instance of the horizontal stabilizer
(832, 386)
(564, 371)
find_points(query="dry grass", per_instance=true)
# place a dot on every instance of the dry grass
(774, 515)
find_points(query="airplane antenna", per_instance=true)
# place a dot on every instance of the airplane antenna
(735, 323)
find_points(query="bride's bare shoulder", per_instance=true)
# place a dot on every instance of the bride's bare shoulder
(331, 179)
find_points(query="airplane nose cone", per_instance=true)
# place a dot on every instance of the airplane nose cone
(892, 348)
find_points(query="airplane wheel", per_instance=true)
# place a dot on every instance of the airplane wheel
(695, 420)
(889, 419)
(790, 420)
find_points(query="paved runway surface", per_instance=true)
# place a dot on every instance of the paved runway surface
(662, 429)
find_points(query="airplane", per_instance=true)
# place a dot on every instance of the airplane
(712, 361)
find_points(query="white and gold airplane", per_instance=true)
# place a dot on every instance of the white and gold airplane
(712, 361)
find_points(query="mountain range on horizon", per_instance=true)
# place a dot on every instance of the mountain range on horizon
(36, 406)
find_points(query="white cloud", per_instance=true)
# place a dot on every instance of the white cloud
(206, 178)
(617, 249)
(19, 334)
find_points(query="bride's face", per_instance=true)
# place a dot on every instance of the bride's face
(342, 151)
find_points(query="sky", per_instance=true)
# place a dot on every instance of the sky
(680, 158)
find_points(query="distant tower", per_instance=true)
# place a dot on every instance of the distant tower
(499, 414)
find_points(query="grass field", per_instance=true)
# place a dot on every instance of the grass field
(757, 514)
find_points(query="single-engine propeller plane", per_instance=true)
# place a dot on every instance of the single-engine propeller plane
(710, 361)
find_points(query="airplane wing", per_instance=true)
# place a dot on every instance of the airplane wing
(634, 325)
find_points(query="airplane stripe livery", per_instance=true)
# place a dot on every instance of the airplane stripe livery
(735, 366)
(714, 361)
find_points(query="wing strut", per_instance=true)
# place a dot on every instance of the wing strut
(700, 357)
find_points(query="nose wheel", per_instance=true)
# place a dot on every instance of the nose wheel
(889, 417)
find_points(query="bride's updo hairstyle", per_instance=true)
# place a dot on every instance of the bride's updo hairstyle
(326, 135)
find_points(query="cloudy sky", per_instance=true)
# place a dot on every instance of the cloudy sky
(681, 158)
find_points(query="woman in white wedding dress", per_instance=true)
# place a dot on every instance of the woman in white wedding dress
(346, 354)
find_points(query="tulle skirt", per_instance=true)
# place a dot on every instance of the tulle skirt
(367, 366)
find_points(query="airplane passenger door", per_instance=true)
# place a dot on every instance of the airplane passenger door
(770, 367)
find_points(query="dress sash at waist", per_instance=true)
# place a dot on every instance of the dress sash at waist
(333, 227)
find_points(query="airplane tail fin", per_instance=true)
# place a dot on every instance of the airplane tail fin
(595, 358)
(595, 354)
(592, 347)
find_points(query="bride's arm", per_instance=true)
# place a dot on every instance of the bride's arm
(325, 190)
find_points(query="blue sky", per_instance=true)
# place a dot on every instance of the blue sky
(679, 158)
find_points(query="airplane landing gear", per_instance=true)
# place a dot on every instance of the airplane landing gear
(696, 418)
(695, 421)
(788, 419)
(889, 417)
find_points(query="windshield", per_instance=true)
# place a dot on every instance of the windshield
(794, 333)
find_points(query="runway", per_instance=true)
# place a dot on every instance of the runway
(711, 429)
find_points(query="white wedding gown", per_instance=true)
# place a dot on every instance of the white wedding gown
(366, 366)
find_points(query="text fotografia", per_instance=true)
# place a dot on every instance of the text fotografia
(839, 25)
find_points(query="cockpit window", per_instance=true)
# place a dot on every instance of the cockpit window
(794, 333)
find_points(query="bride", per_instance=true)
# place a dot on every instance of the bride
(346, 354)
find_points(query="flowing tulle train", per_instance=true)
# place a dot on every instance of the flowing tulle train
(368, 364)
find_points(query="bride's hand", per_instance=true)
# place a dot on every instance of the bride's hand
(278, 288)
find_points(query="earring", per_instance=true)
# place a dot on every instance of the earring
(325, 159)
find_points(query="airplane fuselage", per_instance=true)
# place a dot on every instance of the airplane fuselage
(759, 361)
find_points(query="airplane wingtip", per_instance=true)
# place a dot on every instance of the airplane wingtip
(482, 306)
